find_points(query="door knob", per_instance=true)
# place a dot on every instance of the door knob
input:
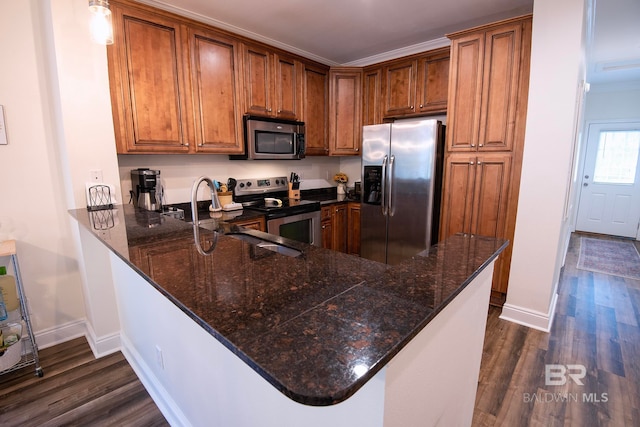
(586, 184)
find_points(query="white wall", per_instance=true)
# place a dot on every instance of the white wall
(178, 172)
(542, 224)
(32, 176)
(613, 101)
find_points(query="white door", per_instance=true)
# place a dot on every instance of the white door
(610, 192)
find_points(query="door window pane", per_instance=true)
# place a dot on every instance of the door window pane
(617, 157)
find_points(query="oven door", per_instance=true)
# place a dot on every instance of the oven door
(303, 227)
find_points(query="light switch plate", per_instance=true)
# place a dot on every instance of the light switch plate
(3, 129)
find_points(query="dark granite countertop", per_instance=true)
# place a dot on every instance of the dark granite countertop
(326, 196)
(303, 323)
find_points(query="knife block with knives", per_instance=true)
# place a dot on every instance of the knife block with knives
(294, 186)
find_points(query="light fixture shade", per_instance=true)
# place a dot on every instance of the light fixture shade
(101, 24)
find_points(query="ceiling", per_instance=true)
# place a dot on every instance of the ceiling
(362, 32)
(613, 51)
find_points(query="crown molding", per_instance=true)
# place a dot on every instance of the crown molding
(399, 53)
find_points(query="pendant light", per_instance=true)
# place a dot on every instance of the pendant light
(101, 25)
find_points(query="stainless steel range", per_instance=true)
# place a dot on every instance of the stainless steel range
(294, 219)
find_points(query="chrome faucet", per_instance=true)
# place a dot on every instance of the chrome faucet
(215, 202)
(215, 206)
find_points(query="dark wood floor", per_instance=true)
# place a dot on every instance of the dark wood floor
(596, 325)
(76, 390)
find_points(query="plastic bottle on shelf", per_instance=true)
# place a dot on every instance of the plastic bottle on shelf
(3, 309)
(9, 290)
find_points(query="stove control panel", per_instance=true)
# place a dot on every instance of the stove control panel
(246, 187)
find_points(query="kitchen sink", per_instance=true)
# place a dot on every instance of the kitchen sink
(259, 239)
(266, 244)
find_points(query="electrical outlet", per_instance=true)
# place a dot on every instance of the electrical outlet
(96, 175)
(159, 358)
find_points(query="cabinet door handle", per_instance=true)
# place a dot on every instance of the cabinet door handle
(421, 105)
(186, 144)
(471, 162)
(412, 107)
(201, 145)
(473, 145)
(479, 162)
(480, 145)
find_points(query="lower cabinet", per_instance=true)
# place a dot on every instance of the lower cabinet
(476, 201)
(255, 223)
(353, 234)
(334, 227)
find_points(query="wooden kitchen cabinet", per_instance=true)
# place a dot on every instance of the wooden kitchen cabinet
(334, 222)
(371, 93)
(217, 90)
(315, 95)
(273, 83)
(399, 88)
(475, 194)
(327, 228)
(353, 234)
(150, 90)
(255, 223)
(345, 111)
(433, 82)
(488, 91)
(485, 82)
(417, 84)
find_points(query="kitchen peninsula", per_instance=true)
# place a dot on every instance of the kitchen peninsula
(248, 336)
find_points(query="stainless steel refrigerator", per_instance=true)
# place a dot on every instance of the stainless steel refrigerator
(401, 187)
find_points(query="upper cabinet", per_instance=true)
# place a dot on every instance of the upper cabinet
(175, 88)
(485, 79)
(315, 94)
(150, 91)
(433, 82)
(399, 94)
(416, 85)
(273, 83)
(217, 89)
(371, 93)
(345, 111)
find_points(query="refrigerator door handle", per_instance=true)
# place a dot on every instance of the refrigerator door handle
(383, 190)
(391, 207)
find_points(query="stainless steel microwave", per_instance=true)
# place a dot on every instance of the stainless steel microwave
(272, 139)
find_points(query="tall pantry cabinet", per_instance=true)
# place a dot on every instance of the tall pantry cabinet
(488, 88)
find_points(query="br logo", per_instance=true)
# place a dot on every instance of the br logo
(557, 374)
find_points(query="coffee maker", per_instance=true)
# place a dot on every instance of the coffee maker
(146, 191)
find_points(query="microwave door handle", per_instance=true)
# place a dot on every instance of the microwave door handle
(383, 190)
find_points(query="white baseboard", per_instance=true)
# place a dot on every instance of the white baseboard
(156, 390)
(530, 318)
(103, 345)
(100, 346)
(59, 334)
